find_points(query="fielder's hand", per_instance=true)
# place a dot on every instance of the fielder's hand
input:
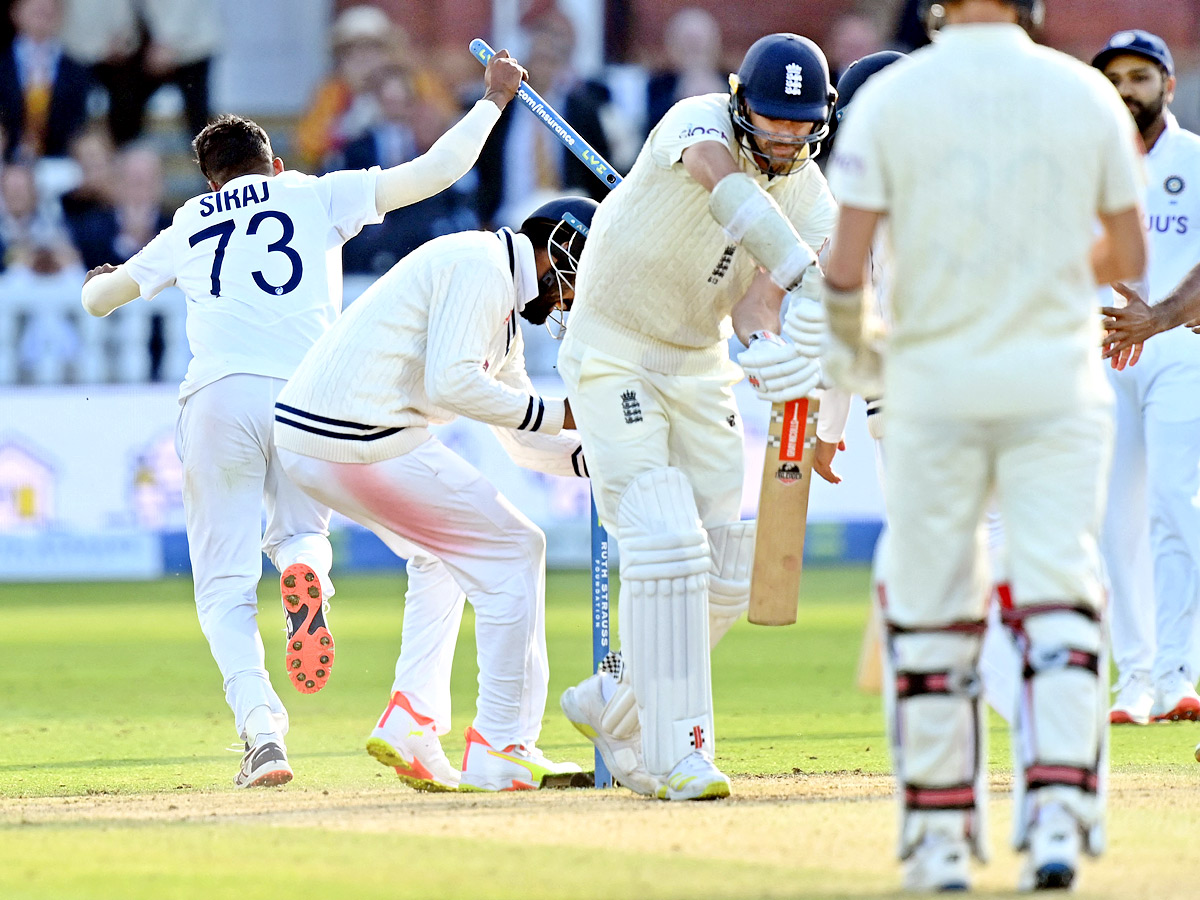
(502, 79)
(1127, 327)
(102, 269)
(776, 370)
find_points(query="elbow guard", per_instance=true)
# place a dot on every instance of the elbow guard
(752, 218)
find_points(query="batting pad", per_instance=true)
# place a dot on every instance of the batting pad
(664, 605)
(938, 730)
(752, 218)
(1061, 739)
(729, 578)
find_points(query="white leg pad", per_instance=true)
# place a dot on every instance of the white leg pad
(1061, 739)
(937, 725)
(729, 578)
(664, 616)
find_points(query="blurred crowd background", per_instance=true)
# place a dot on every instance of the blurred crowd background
(99, 100)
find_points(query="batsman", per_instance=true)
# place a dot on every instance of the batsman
(720, 216)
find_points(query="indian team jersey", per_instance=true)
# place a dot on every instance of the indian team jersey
(1172, 208)
(260, 264)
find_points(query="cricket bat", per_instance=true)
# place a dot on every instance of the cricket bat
(783, 512)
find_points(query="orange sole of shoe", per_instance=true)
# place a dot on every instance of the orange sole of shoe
(1187, 711)
(272, 779)
(309, 652)
(1121, 717)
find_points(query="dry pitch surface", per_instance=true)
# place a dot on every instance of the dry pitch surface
(794, 836)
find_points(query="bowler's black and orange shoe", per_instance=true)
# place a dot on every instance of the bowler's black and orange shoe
(309, 643)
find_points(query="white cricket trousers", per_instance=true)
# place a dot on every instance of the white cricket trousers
(632, 420)
(1049, 479)
(434, 499)
(1151, 535)
(230, 471)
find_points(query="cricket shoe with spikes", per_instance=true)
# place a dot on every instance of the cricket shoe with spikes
(265, 764)
(603, 710)
(695, 777)
(515, 768)
(405, 740)
(1175, 698)
(309, 650)
(1055, 840)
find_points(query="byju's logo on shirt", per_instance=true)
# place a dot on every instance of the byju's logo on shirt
(631, 407)
(793, 81)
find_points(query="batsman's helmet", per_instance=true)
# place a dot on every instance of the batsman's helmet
(560, 227)
(1031, 13)
(783, 76)
(857, 73)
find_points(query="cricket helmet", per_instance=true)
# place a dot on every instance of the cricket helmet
(560, 227)
(783, 76)
(856, 75)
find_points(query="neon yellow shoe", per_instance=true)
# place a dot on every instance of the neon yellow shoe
(515, 768)
(695, 777)
(405, 740)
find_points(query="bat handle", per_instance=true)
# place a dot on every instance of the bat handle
(481, 51)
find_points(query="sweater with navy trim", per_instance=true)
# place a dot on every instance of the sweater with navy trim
(434, 338)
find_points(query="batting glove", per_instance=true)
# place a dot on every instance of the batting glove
(776, 370)
(804, 325)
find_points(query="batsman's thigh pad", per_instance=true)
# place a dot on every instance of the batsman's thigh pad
(732, 548)
(664, 616)
(937, 722)
(1061, 736)
(751, 217)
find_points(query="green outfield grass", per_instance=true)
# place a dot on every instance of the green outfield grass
(115, 780)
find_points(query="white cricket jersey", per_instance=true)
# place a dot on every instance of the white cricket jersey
(992, 209)
(260, 263)
(1172, 208)
(435, 337)
(659, 276)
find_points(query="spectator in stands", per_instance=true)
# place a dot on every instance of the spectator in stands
(95, 157)
(522, 163)
(364, 41)
(118, 230)
(43, 92)
(398, 135)
(31, 236)
(851, 37)
(693, 45)
(138, 46)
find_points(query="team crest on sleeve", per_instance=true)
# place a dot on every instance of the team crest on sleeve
(793, 82)
(1174, 185)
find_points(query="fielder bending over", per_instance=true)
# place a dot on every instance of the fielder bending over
(259, 261)
(434, 338)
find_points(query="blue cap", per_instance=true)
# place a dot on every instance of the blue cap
(1138, 43)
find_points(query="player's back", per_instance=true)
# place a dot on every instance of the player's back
(992, 206)
(259, 262)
